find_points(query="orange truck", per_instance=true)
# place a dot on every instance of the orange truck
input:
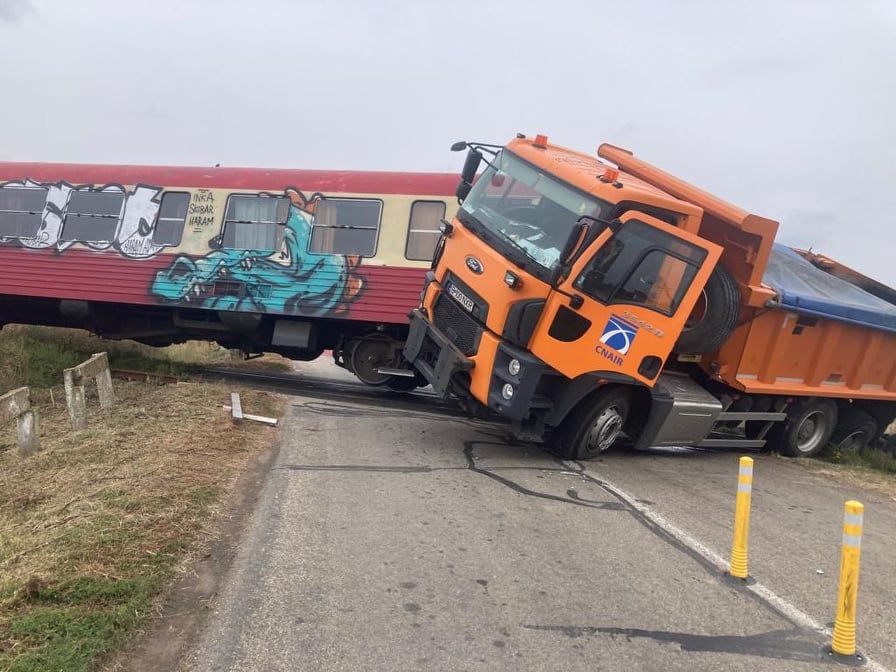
(591, 301)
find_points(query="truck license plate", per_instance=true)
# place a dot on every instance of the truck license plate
(460, 297)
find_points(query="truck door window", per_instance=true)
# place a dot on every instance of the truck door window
(644, 266)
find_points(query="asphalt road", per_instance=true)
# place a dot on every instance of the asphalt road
(391, 537)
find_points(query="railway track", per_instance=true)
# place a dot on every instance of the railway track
(335, 390)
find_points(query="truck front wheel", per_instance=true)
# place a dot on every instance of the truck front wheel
(807, 429)
(595, 424)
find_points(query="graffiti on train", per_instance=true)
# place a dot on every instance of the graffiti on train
(127, 228)
(288, 280)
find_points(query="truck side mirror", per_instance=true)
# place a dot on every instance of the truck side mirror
(471, 165)
(578, 234)
(574, 240)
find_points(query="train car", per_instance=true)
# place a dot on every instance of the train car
(287, 261)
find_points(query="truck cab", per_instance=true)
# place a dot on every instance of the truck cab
(588, 298)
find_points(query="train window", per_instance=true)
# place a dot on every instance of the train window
(92, 216)
(255, 222)
(172, 214)
(346, 226)
(21, 211)
(423, 229)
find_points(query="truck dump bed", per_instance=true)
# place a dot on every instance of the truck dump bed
(819, 336)
(811, 291)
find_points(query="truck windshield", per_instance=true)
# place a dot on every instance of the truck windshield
(528, 209)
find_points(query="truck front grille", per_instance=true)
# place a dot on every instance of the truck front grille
(456, 323)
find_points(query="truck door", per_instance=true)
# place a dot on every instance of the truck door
(625, 300)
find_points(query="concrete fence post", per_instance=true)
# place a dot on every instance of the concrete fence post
(17, 404)
(74, 400)
(104, 386)
(97, 367)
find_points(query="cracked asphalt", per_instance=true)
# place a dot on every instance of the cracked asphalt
(393, 538)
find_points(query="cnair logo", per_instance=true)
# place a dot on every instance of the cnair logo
(619, 334)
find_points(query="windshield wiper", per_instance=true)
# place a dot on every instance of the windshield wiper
(487, 234)
(510, 240)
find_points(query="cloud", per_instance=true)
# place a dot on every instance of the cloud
(780, 108)
(13, 10)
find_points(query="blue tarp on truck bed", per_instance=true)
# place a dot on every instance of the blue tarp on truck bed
(803, 288)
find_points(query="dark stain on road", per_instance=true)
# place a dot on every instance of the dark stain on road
(794, 644)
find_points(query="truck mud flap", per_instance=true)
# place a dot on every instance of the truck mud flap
(433, 355)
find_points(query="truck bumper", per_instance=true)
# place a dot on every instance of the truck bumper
(524, 399)
(433, 355)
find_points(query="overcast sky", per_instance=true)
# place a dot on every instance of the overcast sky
(786, 108)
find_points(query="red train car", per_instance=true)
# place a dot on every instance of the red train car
(286, 261)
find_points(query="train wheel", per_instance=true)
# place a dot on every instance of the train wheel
(595, 425)
(855, 430)
(368, 355)
(808, 428)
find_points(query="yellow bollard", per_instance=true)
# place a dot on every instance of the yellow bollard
(738, 568)
(844, 641)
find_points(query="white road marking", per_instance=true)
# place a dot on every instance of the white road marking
(793, 613)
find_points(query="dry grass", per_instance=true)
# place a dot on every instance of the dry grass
(35, 356)
(855, 476)
(96, 524)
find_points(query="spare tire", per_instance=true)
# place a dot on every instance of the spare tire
(713, 318)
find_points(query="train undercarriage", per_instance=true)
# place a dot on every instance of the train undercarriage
(371, 351)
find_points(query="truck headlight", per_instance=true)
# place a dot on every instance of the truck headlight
(513, 368)
(507, 392)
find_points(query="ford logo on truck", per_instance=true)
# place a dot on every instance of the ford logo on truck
(474, 265)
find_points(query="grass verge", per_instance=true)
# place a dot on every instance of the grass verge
(36, 356)
(96, 525)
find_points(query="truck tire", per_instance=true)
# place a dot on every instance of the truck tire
(595, 424)
(713, 318)
(406, 383)
(855, 429)
(807, 430)
(888, 444)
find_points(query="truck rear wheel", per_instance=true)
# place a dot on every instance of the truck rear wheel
(855, 429)
(713, 318)
(807, 429)
(595, 424)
